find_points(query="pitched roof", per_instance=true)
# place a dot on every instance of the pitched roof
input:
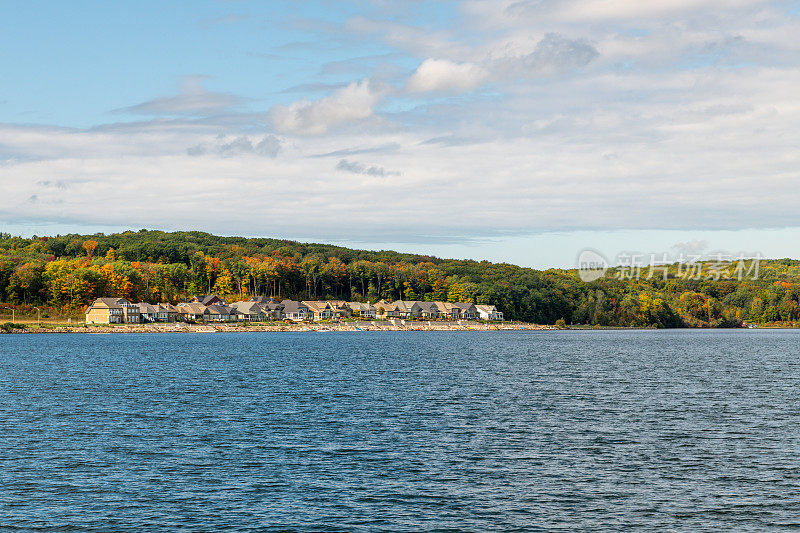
(249, 308)
(193, 309)
(444, 307)
(405, 306)
(147, 308)
(430, 307)
(206, 299)
(110, 303)
(219, 309)
(386, 305)
(317, 306)
(361, 306)
(292, 306)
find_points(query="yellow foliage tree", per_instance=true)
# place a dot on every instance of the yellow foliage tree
(89, 246)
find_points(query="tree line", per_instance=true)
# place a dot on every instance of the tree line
(67, 272)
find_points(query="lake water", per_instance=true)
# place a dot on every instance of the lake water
(401, 431)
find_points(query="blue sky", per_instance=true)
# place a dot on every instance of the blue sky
(508, 130)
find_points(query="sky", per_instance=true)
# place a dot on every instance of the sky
(519, 131)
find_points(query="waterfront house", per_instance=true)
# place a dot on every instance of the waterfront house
(236, 315)
(273, 310)
(340, 309)
(130, 311)
(251, 311)
(171, 310)
(408, 309)
(153, 312)
(221, 313)
(193, 312)
(105, 311)
(295, 311)
(319, 310)
(466, 311)
(364, 310)
(488, 312)
(147, 312)
(428, 310)
(446, 310)
(386, 309)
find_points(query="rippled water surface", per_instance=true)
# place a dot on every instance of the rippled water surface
(401, 431)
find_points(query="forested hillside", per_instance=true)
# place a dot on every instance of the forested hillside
(67, 272)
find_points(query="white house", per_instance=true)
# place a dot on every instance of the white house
(488, 312)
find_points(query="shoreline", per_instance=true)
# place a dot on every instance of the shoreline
(179, 327)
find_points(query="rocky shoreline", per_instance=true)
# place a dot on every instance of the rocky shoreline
(179, 327)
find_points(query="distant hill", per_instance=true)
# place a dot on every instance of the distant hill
(69, 271)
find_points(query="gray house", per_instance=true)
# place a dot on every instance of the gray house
(466, 311)
(222, 313)
(296, 311)
(429, 310)
(408, 309)
(364, 310)
(251, 311)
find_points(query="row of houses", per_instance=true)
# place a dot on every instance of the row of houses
(212, 308)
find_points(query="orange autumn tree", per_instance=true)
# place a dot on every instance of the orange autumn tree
(89, 246)
(213, 267)
(116, 283)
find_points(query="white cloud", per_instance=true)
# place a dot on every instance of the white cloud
(682, 116)
(193, 100)
(442, 75)
(546, 13)
(638, 10)
(348, 104)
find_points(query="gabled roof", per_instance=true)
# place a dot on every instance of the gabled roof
(193, 309)
(444, 307)
(206, 299)
(107, 303)
(430, 307)
(487, 308)
(219, 309)
(406, 306)
(464, 306)
(386, 305)
(292, 306)
(146, 308)
(249, 308)
(361, 306)
(317, 306)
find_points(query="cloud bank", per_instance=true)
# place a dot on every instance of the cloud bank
(518, 117)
